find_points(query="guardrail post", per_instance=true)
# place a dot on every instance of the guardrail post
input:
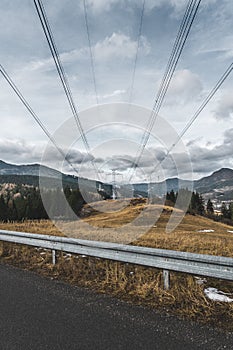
(166, 279)
(53, 256)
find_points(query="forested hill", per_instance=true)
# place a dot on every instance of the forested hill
(218, 185)
(29, 175)
(33, 180)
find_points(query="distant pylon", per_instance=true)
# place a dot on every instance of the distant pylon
(114, 186)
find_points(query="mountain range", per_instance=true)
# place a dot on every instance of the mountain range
(29, 175)
(218, 185)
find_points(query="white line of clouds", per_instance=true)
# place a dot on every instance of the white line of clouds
(113, 47)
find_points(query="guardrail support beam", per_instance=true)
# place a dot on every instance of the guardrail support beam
(166, 279)
(53, 256)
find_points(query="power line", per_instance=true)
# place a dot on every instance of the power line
(55, 54)
(90, 50)
(34, 115)
(49, 36)
(185, 27)
(198, 112)
(184, 30)
(137, 52)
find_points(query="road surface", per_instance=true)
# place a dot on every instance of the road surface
(39, 313)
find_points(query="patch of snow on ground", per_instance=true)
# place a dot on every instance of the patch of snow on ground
(230, 231)
(205, 231)
(217, 295)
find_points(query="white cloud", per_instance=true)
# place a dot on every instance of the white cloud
(106, 5)
(225, 106)
(116, 44)
(177, 6)
(204, 157)
(113, 94)
(212, 156)
(228, 137)
(185, 85)
(101, 5)
(113, 36)
(119, 45)
(113, 47)
(20, 151)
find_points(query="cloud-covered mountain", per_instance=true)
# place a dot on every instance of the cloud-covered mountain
(217, 185)
(30, 169)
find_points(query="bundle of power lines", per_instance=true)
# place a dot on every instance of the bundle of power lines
(180, 41)
(181, 38)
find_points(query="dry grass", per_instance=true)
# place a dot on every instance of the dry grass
(186, 237)
(33, 226)
(135, 284)
(130, 282)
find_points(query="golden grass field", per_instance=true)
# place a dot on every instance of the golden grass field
(130, 282)
(186, 237)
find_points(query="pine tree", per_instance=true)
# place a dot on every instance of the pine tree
(210, 207)
(3, 209)
(12, 211)
(197, 204)
(225, 211)
(201, 207)
(231, 210)
(171, 196)
(20, 204)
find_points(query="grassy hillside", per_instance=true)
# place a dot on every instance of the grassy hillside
(194, 234)
(135, 283)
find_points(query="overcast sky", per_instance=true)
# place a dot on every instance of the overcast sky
(114, 26)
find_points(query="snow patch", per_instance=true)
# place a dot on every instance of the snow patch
(217, 295)
(205, 231)
(230, 231)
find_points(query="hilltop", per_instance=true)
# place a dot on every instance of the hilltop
(194, 234)
(217, 185)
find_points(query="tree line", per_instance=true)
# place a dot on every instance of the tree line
(25, 203)
(227, 213)
(197, 206)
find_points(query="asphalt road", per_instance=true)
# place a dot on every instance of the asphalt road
(39, 313)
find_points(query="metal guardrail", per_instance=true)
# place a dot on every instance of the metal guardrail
(168, 260)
